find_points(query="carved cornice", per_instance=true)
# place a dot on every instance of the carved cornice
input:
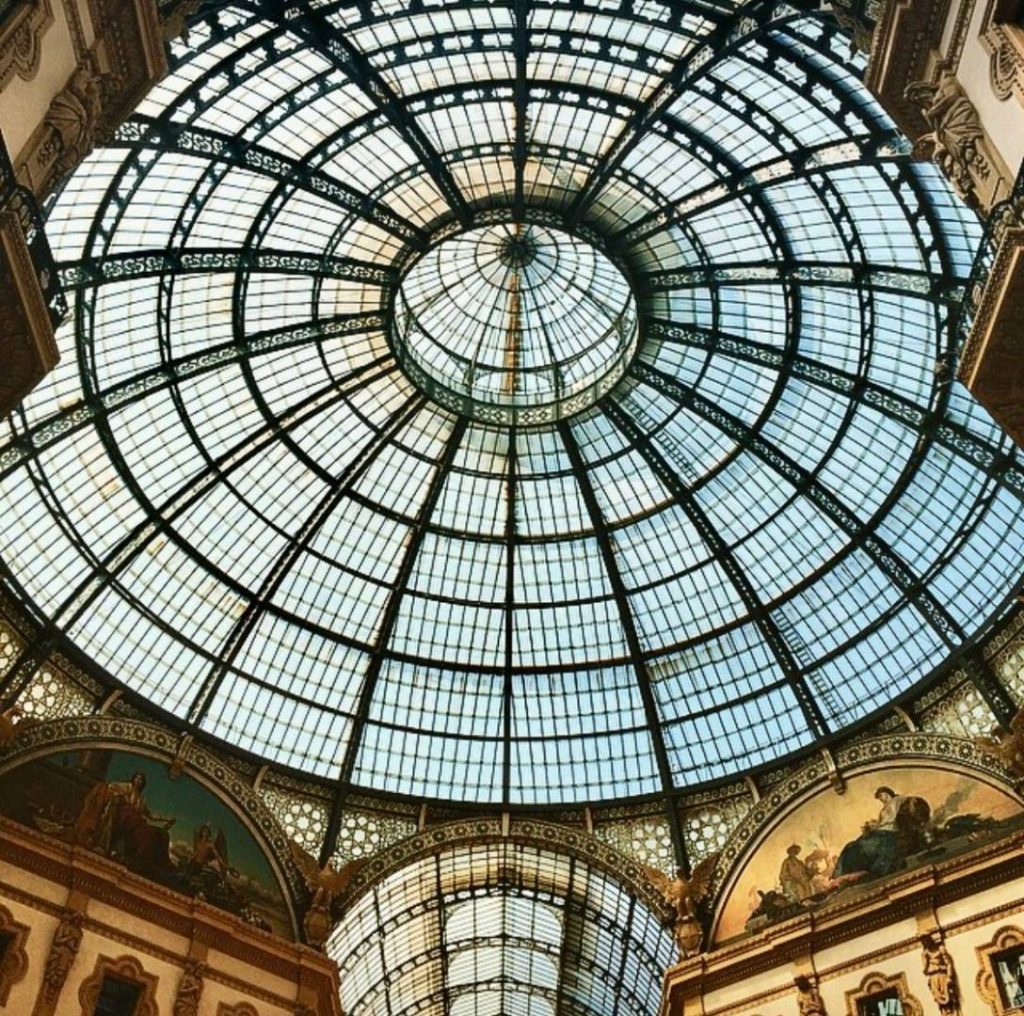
(134, 46)
(21, 33)
(1003, 40)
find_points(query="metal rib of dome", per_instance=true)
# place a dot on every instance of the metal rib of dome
(241, 507)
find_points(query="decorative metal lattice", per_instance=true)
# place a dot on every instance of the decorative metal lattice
(752, 524)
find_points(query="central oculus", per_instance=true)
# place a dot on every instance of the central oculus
(515, 323)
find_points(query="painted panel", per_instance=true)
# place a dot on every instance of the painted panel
(175, 832)
(834, 847)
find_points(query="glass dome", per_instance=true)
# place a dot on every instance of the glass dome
(510, 403)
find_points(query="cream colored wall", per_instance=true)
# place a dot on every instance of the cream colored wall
(23, 103)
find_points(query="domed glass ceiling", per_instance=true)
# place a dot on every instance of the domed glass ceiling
(240, 497)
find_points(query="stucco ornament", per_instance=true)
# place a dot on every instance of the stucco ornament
(956, 139)
(1007, 745)
(73, 120)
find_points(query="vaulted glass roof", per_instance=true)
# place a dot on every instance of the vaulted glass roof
(500, 928)
(338, 469)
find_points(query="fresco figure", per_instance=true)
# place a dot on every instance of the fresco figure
(116, 821)
(795, 876)
(209, 852)
(884, 842)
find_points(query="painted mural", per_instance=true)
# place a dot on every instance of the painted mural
(173, 831)
(887, 822)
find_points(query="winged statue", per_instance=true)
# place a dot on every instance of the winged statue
(325, 884)
(683, 894)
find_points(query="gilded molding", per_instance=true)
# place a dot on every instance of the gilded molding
(21, 35)
(1004, 43)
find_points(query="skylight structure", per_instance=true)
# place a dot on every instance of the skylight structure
(495, 928)
(515, 404)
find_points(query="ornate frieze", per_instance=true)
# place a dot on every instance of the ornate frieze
(126, 58)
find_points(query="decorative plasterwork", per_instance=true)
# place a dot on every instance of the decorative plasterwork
(1004, 41)
(27, 345)
(873, 753)
(544, 835)
(126, 968)
(111, 78)
(41, 739)
(21, 33)
(985, 982)
(64, 946)
(875, 984)
(992, 364)
(14, 965)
